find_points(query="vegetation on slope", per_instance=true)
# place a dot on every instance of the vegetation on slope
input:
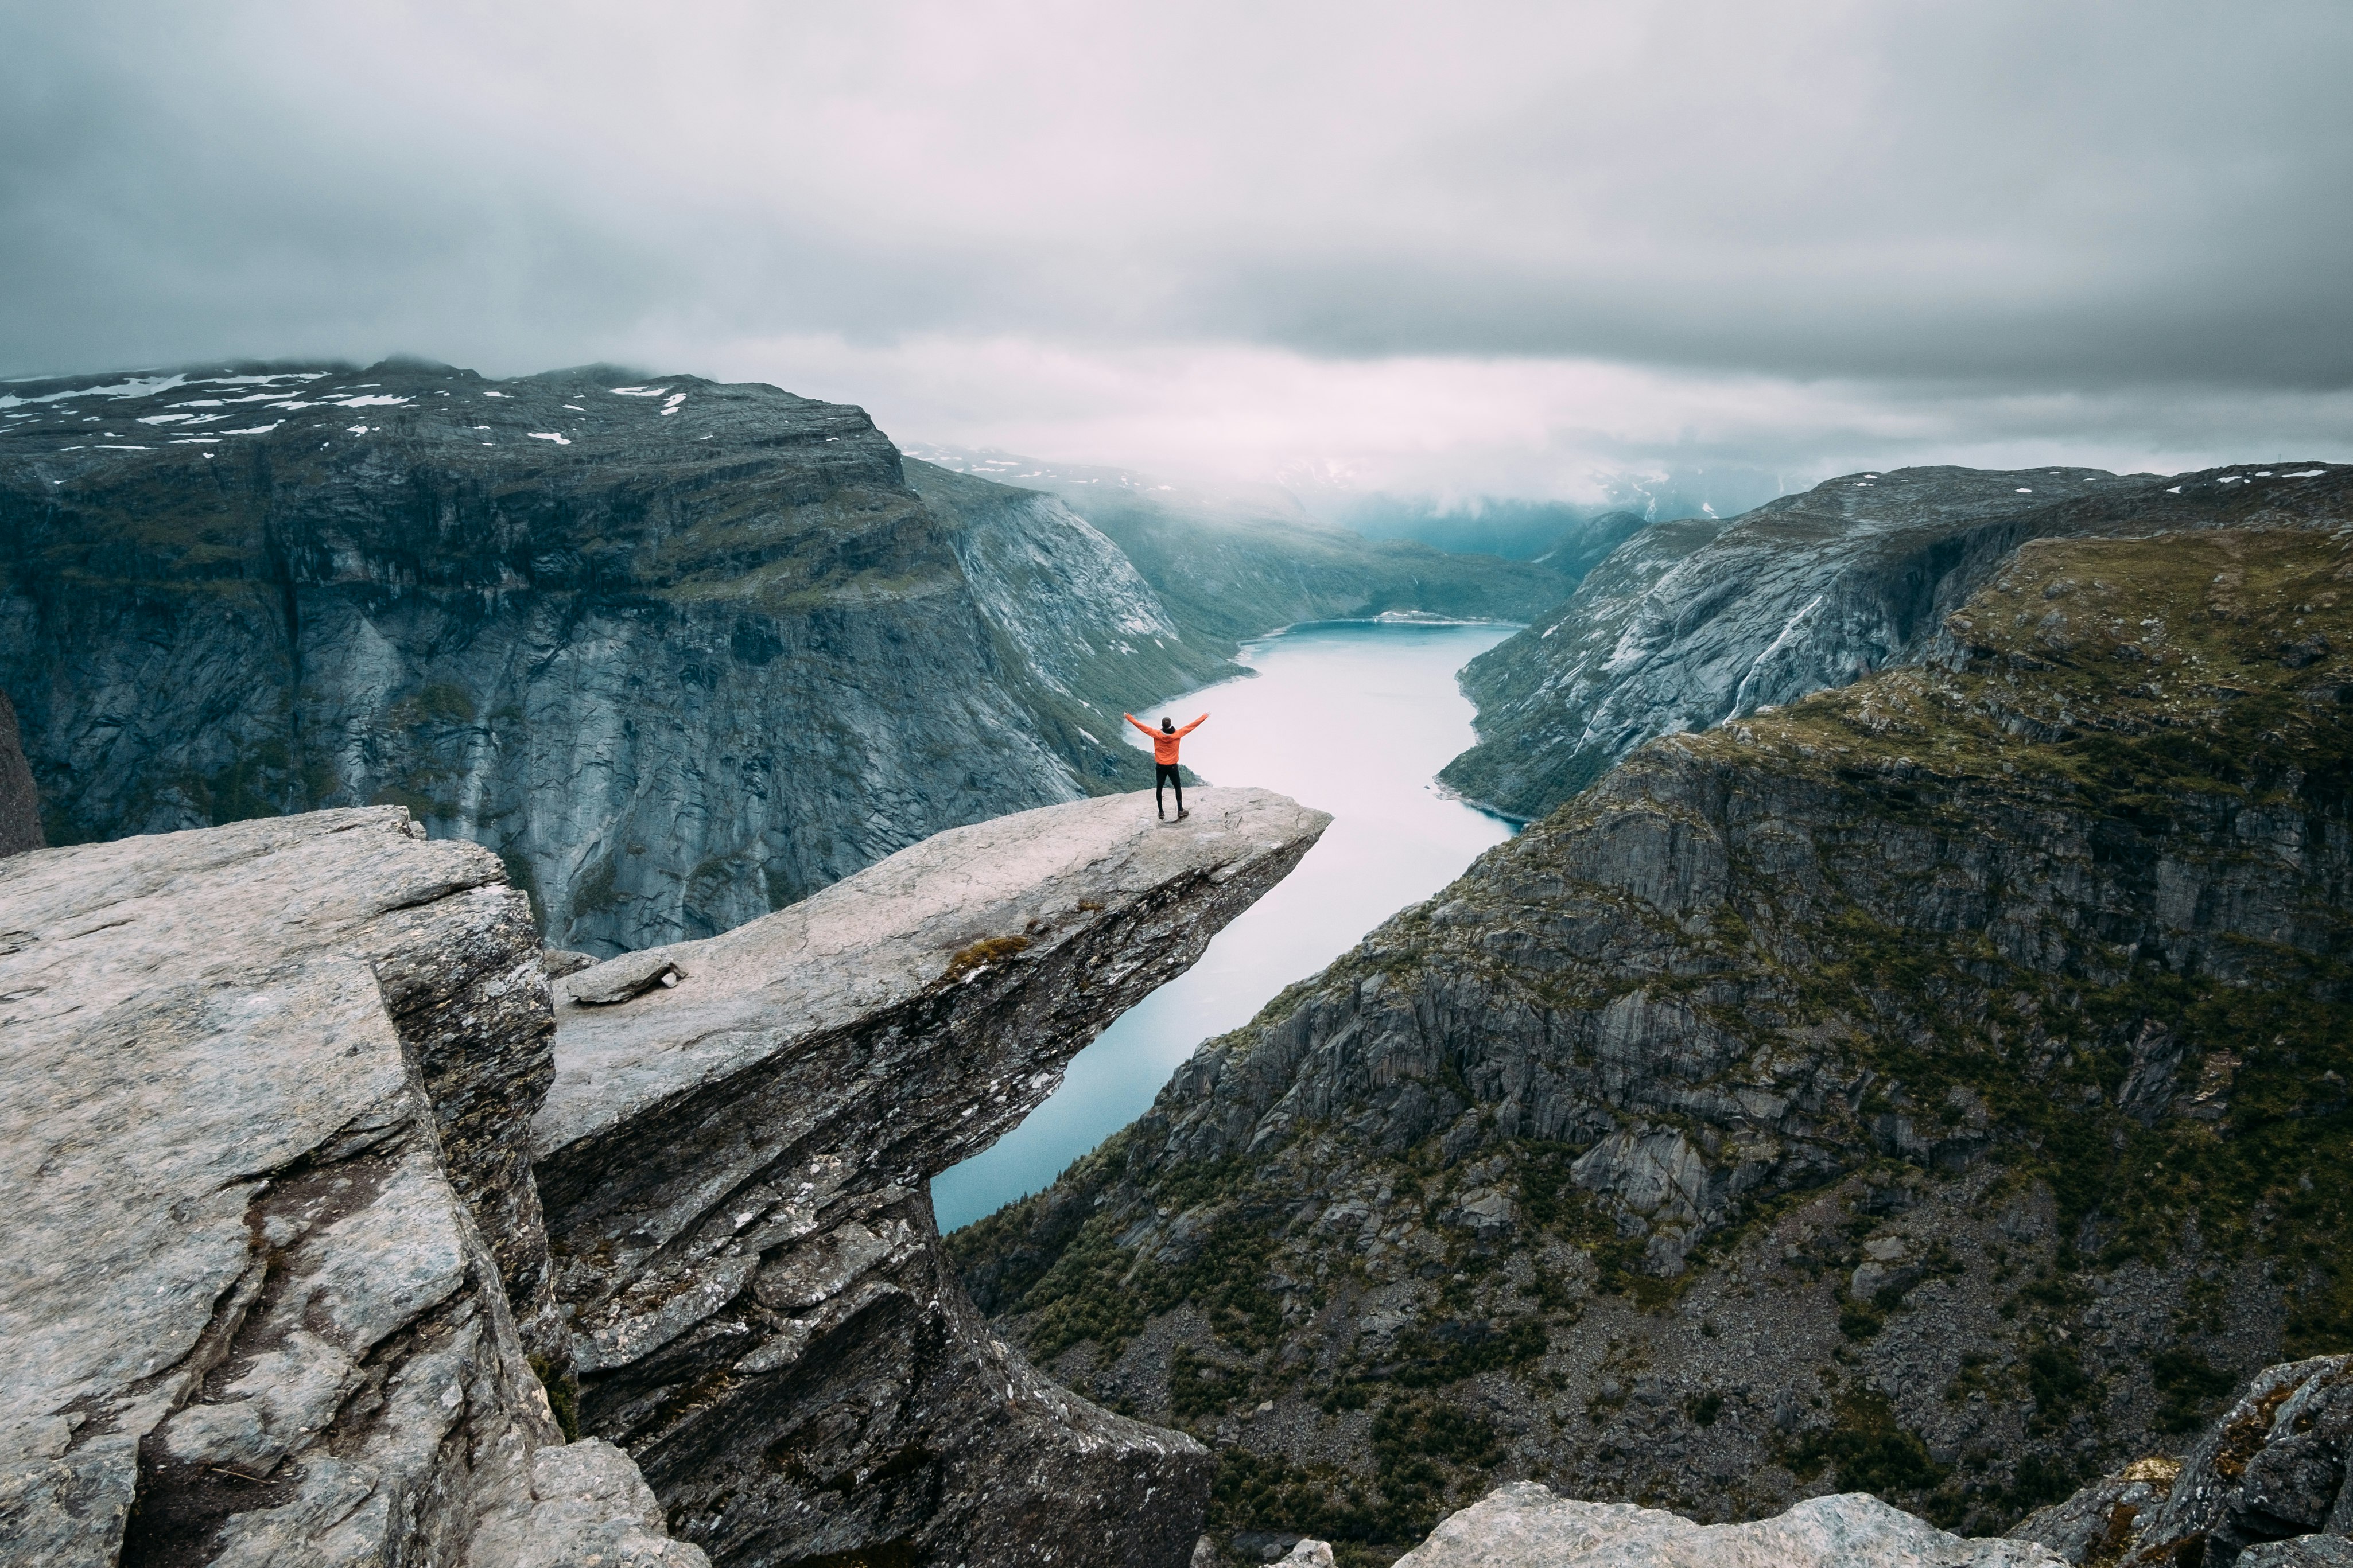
(2013, 1063)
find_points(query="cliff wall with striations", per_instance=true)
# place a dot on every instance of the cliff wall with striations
(680, 653)
(1690, 623)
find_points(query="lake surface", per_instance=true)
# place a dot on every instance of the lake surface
(1353, 717)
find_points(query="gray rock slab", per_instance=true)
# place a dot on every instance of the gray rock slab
(735, 1172)
(250, 1282)
(1523, 1525)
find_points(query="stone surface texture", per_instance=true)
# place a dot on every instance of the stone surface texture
(1525, 1526)
(20, 804)
(2265, 1484)
(263, 1107)
(1935, 1088)
(1692, 622)
(735, 1169)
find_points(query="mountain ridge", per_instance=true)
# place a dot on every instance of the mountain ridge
(680, 651)
(1933, 1087)
(1714, 619)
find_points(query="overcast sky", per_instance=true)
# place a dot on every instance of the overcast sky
(1450, 248)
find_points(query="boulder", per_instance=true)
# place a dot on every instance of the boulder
(1523, 1525)
(261, 1131)
(2265, 1484)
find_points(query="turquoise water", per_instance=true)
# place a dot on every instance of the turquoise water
(1353, 717)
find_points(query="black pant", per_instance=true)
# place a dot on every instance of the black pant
(1165, 774)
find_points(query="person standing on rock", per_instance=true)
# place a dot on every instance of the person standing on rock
(1164, 757)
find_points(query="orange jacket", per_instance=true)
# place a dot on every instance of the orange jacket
(1164, 745)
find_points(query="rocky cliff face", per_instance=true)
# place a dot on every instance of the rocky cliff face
(265, 1135)
(1535, 705)
(679, 653)
(329, 1219)
(1229, 569)
(20, 804)
(1934, 1087)
(1695, 621)
(736, 1170)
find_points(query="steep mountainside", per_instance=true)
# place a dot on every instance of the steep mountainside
(1527, 700)
(680, 652)
(1807, 591)
(1579, 550)
(1935, 1088)
(1232, 569)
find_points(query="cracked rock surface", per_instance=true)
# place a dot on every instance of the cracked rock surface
(735, 1169)
(1523, 1525)
(268, 1201)
(2265, 1484)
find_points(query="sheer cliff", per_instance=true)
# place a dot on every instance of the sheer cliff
(680, 653)
(1934, 1087)
(1692, 622)
(333, 1221)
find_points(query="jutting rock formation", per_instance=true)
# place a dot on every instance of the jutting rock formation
(735, 1160)
(279, 1288)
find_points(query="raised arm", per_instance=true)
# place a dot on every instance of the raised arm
(1194, 725)
(1142, 725)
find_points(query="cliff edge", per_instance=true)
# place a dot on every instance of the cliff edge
(291, 1117)
(735, 1160)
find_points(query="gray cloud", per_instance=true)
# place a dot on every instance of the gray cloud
(1931, 217)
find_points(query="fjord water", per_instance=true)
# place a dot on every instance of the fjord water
(1353, 717)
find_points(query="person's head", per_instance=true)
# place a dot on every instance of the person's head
(1168, 725)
